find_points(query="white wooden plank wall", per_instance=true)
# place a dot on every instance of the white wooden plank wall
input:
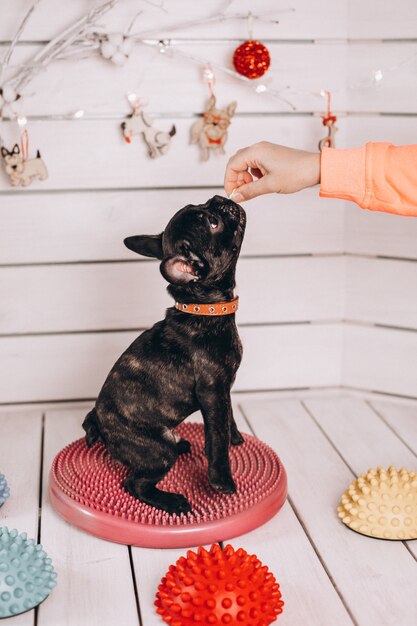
(71, 296)
(380, 346)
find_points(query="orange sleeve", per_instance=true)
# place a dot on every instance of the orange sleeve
(378, 176)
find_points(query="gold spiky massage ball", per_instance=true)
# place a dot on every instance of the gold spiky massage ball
(382, 503)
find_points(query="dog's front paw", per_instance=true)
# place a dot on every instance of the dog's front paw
(222, 482)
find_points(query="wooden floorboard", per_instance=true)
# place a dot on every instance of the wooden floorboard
(365, 441)
(402, 420)
(20, 461)
(362, 569)
(284, 547)
(328, 574)
(95, 586)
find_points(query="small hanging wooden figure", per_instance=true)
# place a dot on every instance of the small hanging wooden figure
(329, 120)
(139, 123)
(210, 131)
(21, 170)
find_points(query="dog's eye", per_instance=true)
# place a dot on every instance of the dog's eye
(214, 222)
(185, 249)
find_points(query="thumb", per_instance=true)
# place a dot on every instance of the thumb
(252, 190)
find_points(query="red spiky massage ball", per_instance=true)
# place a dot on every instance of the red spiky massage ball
(219, 587)
(251, 59)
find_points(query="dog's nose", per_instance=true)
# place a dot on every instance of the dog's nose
(218, 200)
(14, 167)
(230, 208)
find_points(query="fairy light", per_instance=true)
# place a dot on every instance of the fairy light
(22, 121)
(261, 88)
(208, 74)
(377, 75)
(79, 114)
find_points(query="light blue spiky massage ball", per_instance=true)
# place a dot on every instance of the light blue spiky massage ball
(4, 489)
(26, 573)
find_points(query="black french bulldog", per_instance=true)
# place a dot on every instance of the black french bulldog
(182, 364)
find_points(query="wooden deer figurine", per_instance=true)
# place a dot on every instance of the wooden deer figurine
(210, 131)
(138, 123)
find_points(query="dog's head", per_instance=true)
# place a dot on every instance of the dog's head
(199, 247)
(216, 121)
(13, 160)
(130, 127)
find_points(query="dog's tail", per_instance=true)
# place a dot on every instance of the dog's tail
(173, 131)
(38, 155)
(91, 427)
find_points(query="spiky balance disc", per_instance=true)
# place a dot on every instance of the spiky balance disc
(219, 587)
(86, 488)
(4, 489)
(382, 503)
(26, 573)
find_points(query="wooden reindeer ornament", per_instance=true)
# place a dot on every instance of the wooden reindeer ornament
(329, 121)
(210, 131)
(139, 123)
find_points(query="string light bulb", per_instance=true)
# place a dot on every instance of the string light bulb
(377, 75)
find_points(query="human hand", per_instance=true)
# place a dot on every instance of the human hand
(267, 167)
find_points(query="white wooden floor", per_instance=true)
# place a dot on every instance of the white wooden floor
(329, 575)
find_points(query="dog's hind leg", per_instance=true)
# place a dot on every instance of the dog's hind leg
(92, 431)
(144, 489)
(149, 461)
(183, 446)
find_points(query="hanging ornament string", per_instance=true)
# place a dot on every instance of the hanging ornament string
(210, 78)
(329, 121)
(24, 144)
(136, 102)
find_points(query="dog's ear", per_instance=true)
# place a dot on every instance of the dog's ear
(230, 110)
(4, 152)
(16, 149)
(147, 245)
(211, 103)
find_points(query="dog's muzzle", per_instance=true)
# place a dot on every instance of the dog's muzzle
(231, 208)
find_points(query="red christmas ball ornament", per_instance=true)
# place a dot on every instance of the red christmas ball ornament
(219, 587)
(252, 59)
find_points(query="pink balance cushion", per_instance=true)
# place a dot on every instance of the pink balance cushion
(86, 489)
